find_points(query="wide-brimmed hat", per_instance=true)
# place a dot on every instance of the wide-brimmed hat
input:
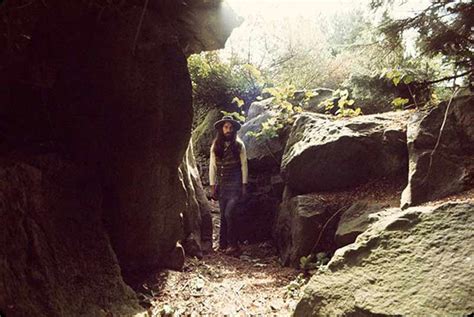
(225, 119)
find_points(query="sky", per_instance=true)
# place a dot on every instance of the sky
(281, 8)
(285, 11)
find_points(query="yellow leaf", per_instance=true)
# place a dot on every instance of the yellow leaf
(238, 101)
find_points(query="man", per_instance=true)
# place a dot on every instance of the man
(228, 175)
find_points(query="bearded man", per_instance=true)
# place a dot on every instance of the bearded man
(228, 176)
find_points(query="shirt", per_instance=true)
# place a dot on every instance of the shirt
(243, 163)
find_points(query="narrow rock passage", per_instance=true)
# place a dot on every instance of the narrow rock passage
(253, 284)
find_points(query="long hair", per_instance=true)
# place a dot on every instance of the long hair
(219, 144)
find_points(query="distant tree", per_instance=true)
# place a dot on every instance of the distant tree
(228, 85)
(307, 52)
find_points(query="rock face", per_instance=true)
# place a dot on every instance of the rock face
(265, 182)
(262, 153)
(197, 214)
(298, 225)
(341, 156)
(258, 107)
(136, 137)
(205, 25)
(54, 246)
(203, 135)
(325, 155)
(356, 220)
(119, 108)
(142, 141)
(343, 214)
(416, 262)
(313, 104)
(449, 169)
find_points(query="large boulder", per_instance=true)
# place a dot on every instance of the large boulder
(258, 213)
(126, 127)
(258, 107)
(416, 262)
(108, 88)
(438, 170)
(356, 220)
(299, 222)
(55, 257)
(262, 153)
(313, 104)
(141, 142)
(323, 154)
(265, 183)
(335, 218)
(137, 110)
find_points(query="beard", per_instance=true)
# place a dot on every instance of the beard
(228, 137)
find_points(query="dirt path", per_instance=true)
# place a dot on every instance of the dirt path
(255, 284)
(223, 285)
(252, 284)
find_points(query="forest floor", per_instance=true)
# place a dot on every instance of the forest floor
(252, 284)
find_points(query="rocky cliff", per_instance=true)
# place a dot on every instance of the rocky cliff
(102, 87)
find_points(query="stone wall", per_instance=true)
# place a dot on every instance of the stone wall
(56, 259)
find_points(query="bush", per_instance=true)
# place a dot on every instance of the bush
(217, 83)
(285, 107)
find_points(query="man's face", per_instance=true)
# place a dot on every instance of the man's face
(228, 129)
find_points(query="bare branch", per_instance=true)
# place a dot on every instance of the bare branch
(139, 27)
(440, 132)
(449, 77)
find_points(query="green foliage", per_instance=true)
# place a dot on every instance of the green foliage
(340, 98)
(406, 80)
(397, 76)
(293, 289)
(216, 83)
(398, 102)
(313, 262)
(411, 81)
(236, 115)
(238, 101)
(284, 108)
(371, 89)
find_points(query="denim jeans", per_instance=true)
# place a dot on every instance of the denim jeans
(229, 218)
